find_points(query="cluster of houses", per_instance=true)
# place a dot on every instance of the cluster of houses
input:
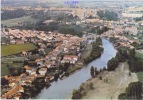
(68, 46)
(122, 40)
(68, 50)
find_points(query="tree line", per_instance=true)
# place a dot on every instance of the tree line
(9, 14)
(107, 15)
(96, 51)
(133, 91)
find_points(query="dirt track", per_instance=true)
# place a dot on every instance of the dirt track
(116, 84)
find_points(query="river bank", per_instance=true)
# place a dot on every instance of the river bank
(62, 89)
(79, 64)
(71, 69)
(111, 85)
(91, 52)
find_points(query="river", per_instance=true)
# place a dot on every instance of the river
(62, 89)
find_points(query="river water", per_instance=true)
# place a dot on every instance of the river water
(62, 89)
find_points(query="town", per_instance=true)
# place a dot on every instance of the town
(50, 51)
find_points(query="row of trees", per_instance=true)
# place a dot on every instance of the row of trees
(126, 54)
(16, 71)
(70, 30)
(133, 91)
(78, 93)
(34, 89)
(102, 30)
(107, 15)
(94, 71)
(9, 14)
(96, 51)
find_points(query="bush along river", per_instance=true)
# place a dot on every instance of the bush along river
(62, 89)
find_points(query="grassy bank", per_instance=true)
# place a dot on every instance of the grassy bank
(107, 85)
(17, 48)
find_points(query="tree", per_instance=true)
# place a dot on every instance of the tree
(134, 90)
(56, 76)
(122, 96)
(23, 70)
(76, 94)
(95, 71)
(132, 53)
(100, 78)
(129, 73)
(15, 72)
(107, 15)
(91, 85)
(101, 69)
(4, 81)
(61, 67)
(66, 66)
(104, 69)
(92, 71)
(6, 30)
(112, 64)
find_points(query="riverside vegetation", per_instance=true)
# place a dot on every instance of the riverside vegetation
(96, 52)
(124, 54)
(134, 89)
(97, 49)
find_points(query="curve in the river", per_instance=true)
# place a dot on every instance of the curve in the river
(62, 89)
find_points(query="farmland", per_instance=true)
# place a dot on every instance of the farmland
(15, 21)
(17, 48)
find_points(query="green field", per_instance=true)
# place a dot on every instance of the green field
(15, 21)
(17, 48)
(140, 76)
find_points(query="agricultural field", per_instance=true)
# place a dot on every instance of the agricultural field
(15, 21)
(17, 48)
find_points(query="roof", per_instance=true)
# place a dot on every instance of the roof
(27, 67)
(23, 74)
(43, 69)
(70, 56)
(12, 91)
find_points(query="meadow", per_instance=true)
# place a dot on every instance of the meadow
(15, 21)
(16, 48)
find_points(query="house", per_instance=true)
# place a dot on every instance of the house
(12, 41)
(28, 69)
(42, 71)
(24, 53)
(132, 30)
(23, 75)
(17, 89)
(48, 64)
(17, 96)
(70, 59)
(11, 84)
(33, 73)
